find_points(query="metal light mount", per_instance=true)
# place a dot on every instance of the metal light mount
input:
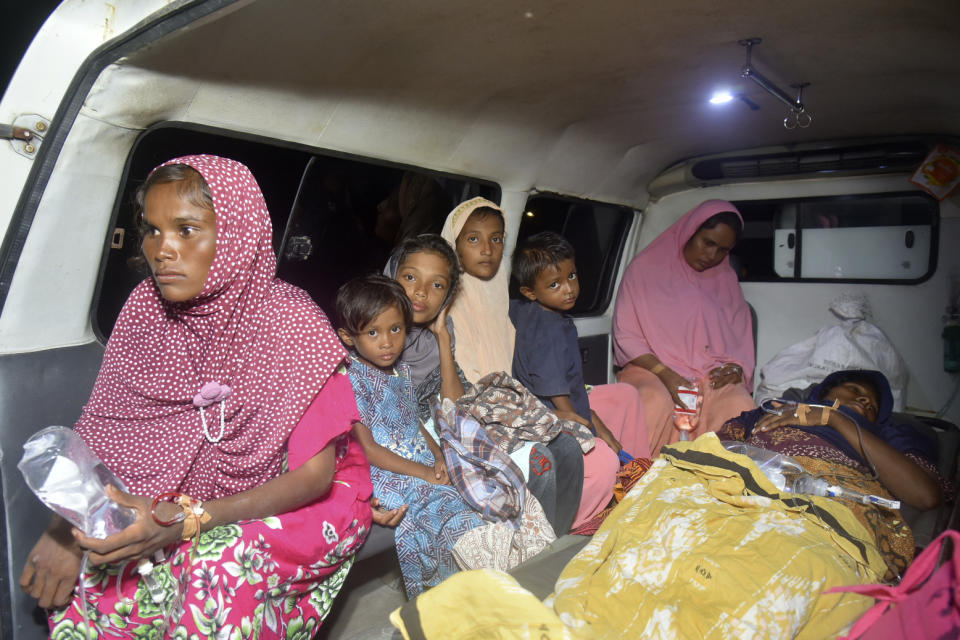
(798, 116)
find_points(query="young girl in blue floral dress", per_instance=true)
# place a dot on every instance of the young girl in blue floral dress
(407, 466)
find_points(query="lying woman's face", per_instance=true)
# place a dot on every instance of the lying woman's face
(857, 396)
(480, 244)
(425, 276)
(708, 247)
(179, 242)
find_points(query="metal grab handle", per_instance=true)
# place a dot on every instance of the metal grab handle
(795, 120)
(798, 116)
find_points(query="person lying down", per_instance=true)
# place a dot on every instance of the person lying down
(706, 546)
(857, 445)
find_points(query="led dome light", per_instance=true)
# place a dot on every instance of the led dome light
(721, 97)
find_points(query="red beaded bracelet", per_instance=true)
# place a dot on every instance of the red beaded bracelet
(168, 496)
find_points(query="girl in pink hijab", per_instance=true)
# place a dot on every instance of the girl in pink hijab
(681, 318)
(220, 406)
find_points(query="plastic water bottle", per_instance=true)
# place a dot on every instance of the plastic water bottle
(70, 479)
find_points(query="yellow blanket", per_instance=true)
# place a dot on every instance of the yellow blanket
(702, 547)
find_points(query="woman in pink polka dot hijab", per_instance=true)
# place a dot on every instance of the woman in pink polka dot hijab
(220, 406)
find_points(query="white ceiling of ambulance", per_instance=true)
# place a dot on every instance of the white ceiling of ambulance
(591, 98)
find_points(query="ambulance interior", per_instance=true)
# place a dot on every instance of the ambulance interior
(595, 121)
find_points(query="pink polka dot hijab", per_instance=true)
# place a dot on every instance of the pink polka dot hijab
(249, 348)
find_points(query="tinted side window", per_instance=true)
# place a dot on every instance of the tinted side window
(277, 170)
(333, 217)
(597, 232)
(349, 214)
(863, 238)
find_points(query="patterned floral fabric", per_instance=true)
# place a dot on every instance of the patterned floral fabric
(628, 476)
(235, 568)
(498, 545)
(270, 578)
(512, 415)
(703, 546)
(437, 515)
(818, 456)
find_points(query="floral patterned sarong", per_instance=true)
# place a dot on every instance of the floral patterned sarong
(270, 578)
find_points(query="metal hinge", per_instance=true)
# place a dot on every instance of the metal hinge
(26, 133)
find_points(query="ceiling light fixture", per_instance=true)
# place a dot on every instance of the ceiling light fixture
(798, 116)
(721, 97)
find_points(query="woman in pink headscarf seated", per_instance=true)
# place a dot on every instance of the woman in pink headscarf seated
(680, 318)
(220, 406)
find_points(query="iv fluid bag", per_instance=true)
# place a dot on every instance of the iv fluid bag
(70, 479)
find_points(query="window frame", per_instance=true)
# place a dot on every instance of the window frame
(798, 230)
(238, 137)
(610, 267)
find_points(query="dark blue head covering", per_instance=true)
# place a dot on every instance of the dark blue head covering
(873, 378)
(902, 437)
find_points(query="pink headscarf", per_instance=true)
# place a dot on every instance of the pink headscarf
(692, 321)
(260, 336)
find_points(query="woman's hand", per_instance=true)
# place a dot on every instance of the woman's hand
(789, 417)
(729, 373)
(673, 381)
(140, 539)
(771, 421)
(384, 517)
(53, 566)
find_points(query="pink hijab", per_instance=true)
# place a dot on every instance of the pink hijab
(260, 336)
(692, 321)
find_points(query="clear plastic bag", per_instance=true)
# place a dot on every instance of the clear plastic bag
(855, 343)
(68, 477)
(787, 475)
(776, 466)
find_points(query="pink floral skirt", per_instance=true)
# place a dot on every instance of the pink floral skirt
(270, 578)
